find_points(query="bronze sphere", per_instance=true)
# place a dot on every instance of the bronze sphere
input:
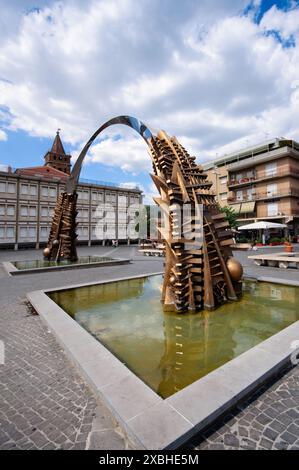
(172, 279)
(235, 269)
(47, 252)
(55, 243)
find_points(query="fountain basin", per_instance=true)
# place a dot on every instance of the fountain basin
(160, 397)
(42, 265)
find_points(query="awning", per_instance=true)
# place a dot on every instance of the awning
(262, 225)
(247, 207)
(236, 207)
(243, 207)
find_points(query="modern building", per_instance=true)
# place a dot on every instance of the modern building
(28, 197)
(260, 182)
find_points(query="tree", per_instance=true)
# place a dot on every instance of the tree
(148, 217)
(231, 215)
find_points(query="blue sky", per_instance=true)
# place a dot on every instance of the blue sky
(219, 75)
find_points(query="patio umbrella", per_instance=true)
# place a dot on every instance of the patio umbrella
(262, 225)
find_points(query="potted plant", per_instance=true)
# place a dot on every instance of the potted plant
(288, 247)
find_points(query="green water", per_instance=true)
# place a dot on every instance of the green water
(169, 351)
(43, 263)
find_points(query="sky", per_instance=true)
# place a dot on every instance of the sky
(219, 75)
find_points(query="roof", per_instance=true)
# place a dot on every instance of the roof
(57, 146)
(262, 147)
(45, 172)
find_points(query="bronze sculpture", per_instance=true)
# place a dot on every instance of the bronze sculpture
(200, 271)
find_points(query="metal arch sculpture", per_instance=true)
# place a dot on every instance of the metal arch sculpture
(200, 271)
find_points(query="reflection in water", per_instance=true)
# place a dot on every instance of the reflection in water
(43, 263)
(167, 350)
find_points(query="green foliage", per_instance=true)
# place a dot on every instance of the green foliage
(231, 215)
(144, 218)
(243, 240)
(275, 240)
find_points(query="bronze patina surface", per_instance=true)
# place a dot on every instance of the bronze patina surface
(199, 269)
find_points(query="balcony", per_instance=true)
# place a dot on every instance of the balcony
(264, 196)
(285, 170)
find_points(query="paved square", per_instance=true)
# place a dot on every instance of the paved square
(46, 405)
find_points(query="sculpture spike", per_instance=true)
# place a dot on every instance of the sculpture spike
(199, 269)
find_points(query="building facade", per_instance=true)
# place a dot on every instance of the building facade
(260, 183)
(28, 197)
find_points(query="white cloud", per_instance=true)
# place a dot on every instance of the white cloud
(128, 153)
(3, 135)
(286, 23)
(201, 71)
(130, 185)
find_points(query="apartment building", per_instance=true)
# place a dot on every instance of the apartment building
(260, 182)
(28, 197)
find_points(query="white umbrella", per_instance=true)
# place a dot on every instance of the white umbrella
(262, 225)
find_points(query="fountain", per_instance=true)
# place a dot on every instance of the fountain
(168, 370)
(200, 271)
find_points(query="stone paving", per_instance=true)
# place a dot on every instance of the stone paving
(267, 420)
(44, 404)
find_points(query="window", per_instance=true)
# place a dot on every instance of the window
(44, 232)
(249, 194)
(33, 190)
(271, 189)
(10, 210)
(32, 211)
(271, 168)
(2, 187)
(2, 209)
(272, 209)
(44, 211)
(23, 232)
(24, 188)
(24, 211)
(32, 232)
(83, 195)
(44, 191)
(10, 232)
(11, 188)
(1, 232)
(239, 195)
(250, 174)
(110, 197)
(52, 192)
(223, 179)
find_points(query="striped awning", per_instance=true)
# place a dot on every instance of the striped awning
(247, 207)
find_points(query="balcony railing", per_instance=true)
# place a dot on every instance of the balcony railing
(285, 170)
(264, 195)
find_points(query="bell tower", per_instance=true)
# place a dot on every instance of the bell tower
(57, 158)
